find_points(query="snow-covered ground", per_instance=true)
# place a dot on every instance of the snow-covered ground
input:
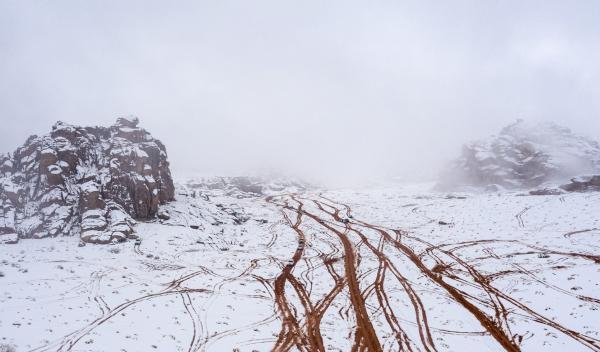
(394, 268)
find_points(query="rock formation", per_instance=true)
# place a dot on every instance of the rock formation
(523, 156)
(590, 183)
(248, 186)
(86, 181)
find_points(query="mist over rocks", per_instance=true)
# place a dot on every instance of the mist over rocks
(86, 181)
(524, 155)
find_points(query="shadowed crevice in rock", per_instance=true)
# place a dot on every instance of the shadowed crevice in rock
(91, 181)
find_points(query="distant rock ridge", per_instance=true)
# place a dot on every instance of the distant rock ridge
(248, 186)
(585, 183)
(86, 181)
(523, 155)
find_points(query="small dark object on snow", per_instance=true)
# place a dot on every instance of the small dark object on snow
(452, 196)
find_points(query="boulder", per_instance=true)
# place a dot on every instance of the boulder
(163, 215)
(590, 183)
(546, 192)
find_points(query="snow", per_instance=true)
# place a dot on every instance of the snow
(30, 224)
(92, 223)
(140, 153)
(89, 187)
(27, 159)
(583, 178)
(211, 287)
(128, 129)
(94, 213)
(54, 169)
(9, 186)
(8, 238)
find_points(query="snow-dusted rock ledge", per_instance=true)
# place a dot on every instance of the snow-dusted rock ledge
(87, 181)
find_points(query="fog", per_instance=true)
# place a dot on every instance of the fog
(338, 89)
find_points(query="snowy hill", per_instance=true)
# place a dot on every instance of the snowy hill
(523, 155)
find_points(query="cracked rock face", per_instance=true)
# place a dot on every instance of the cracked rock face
(86, 181)
(523, 156)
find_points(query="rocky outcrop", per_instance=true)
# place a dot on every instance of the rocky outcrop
(590, 183)
(86, 181)
(523, 156)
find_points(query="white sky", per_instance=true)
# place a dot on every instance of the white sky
(343, 88)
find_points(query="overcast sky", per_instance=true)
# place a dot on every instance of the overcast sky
(334, 87)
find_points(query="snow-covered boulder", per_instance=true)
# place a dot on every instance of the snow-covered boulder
(91, 181)
(583, 184)
(523, 156)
